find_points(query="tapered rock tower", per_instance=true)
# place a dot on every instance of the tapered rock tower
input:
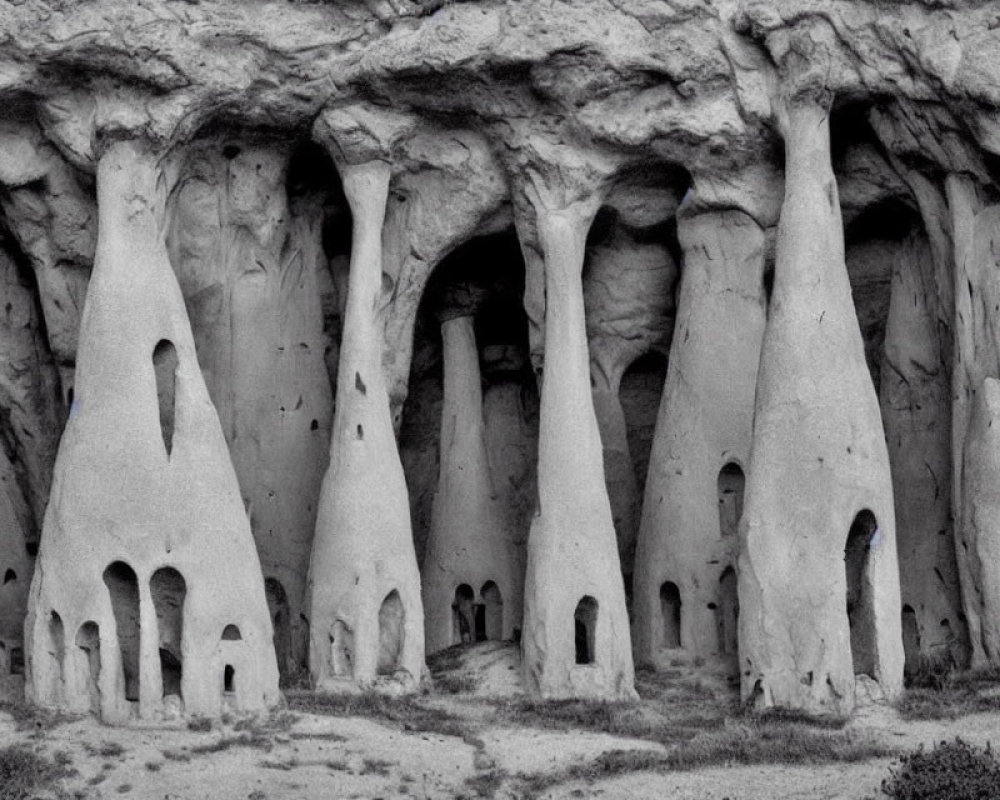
(471, 586)
(366, 617)
(818, 575)
(576, 637)
(148, 595)
(916, 406)
(685, 583)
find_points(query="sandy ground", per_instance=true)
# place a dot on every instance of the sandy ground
(299, 755)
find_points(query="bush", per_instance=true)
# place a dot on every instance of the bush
(23, 772)
(951, 771)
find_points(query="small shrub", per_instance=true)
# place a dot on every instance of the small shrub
(23, 772)
(951, 771)
(406, 712)
(105, 749)
(28, 717)
(375, 766)
(255, 740)
(929, 673)
(199, 724)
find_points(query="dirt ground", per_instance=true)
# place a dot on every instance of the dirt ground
(294, 754)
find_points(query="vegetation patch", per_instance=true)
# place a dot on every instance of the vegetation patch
(743, 741)
(28, 717)
(406, 712)
(951, 771)
(937, 693)
(24, 773)
(248, 739)
(376, 766)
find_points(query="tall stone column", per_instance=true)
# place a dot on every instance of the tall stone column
(701, 448)
(469, 542)
(916, 406)
(366, 616)
(144, 497)
(576, 633)
(976, 394)
(817, 461)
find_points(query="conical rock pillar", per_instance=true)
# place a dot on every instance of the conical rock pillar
(469, 541)
(818, 459)
(687, 537)
(366, 618)
(576, 634)
(916, 405)
(981, 515)
(145, 513)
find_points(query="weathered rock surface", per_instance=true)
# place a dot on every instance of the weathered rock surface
(145, 500)
(634, 106)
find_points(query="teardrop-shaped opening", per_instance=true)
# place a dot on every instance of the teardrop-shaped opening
(165, 368)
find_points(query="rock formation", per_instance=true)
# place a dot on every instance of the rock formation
(472, 578)
(685, 592)
(311, 171)
(818, 492)
(575, 640)
(366, 617)
(148, 593)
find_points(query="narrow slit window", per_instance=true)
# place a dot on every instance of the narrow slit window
(165, 369)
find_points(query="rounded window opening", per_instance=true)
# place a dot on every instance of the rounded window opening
(731, 483)
(231, 633)
(861, 538)
(463, 614)
(585, 630)
(670, 611)
(229, 679)
(9, 576)
(123, 589)
(492, 606)
(391, 633)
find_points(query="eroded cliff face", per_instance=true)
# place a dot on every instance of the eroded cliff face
(492, 117)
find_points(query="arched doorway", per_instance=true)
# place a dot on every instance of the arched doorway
(342, 650)
(862, 535)
(88, 640)
(730, 487)
(463, 615)
(123, 589)
(168, 589)
(670, 610)
(728, 614)
(391, 632)
(585, 630)
(492, 606)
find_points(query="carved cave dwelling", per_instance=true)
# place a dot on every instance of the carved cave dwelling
(335, 334)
